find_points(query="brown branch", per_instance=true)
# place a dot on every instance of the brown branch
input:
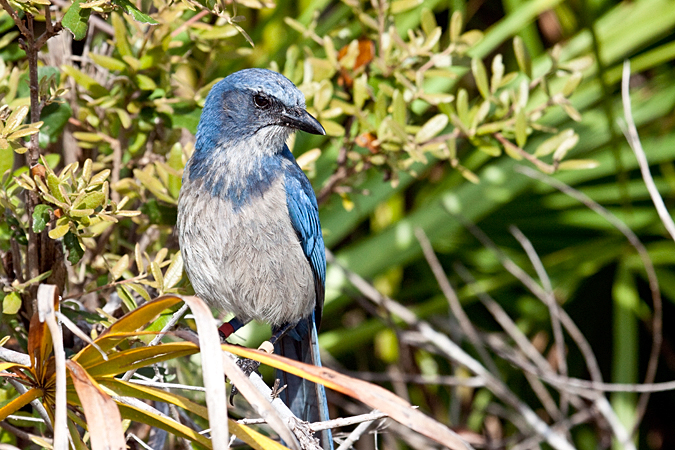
(17, 20)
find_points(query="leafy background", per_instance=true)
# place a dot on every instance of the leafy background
(431, 107)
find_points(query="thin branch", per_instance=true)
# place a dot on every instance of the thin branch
(455, 353)
(657, 320)
(346, 421)
(355, 435)
(15, 17)
(453, 300)
(527, 281)
(47, 297)
(554, 311)
(631, 133)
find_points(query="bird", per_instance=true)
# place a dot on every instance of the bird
(248, 223)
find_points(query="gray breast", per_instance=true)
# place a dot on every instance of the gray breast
(250, 262)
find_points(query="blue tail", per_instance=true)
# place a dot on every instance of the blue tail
(307, 400)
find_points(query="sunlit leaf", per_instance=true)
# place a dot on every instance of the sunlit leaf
(11, 304)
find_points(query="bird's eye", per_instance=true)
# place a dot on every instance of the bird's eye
(262, 101)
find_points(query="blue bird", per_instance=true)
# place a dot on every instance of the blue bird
(248, 222)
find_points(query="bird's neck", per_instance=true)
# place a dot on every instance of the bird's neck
(236, 171)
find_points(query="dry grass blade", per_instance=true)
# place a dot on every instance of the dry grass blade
(258, 401)
(104, 421)
(48, 300)
(212, 370)
(370, 394)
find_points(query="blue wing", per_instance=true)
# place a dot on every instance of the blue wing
(304, 213)
(306, 399)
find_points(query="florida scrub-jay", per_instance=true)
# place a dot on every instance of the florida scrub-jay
(248, 222)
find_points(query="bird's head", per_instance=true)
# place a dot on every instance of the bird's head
(254, 104)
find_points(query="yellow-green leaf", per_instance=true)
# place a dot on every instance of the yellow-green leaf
(11, 303)
(15, 119)
(521, 128)
(431, 128)
(59, 231)
(120, 266)
(108, 62)
(480, 75)
(399, 6)
(578, 164)
(132, 321)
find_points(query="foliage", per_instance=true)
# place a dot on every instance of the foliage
(429, 113)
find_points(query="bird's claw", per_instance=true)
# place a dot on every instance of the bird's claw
(248, 366)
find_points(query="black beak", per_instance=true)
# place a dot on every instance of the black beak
(300, 119)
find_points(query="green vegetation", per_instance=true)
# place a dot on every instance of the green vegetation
(445, 123)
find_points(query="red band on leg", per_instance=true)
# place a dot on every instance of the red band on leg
(226, 329)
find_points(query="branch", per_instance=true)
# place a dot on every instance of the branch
(657, 320)
(454, 352)
(15, 17)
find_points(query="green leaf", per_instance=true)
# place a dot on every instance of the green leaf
(76, 20)
(480, 75)
(522, 56)
(578, 164)
(15, 119)
(11, 303)
(158, 213)
(6, 159)
(188, 119)
(91, 201)
(85, 81)
(108, 62)
(126, 297)
(121, 42)
(521, 128)
(399, 6)
(53, 183)
(430, 129)
(59, 231)
(41, 217)
(134, 12)
(145, 82)
(55, 116)
(551, 144)
(75, 250)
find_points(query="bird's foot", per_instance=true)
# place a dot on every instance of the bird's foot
(248, 366)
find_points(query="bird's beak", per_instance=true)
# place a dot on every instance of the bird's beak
(300, 119)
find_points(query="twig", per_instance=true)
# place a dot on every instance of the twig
(79, 333)
(455, 353)
(443, 380)
(455, 305)
(554, 311)
(15, 357)
(257, 394)
(527, 281)
(162, 385)
(355, 435)
(631, 133)
(15, 17)
(657, 320)
(39, 407)
(23, 435)
(634, 141)
(346, 421)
